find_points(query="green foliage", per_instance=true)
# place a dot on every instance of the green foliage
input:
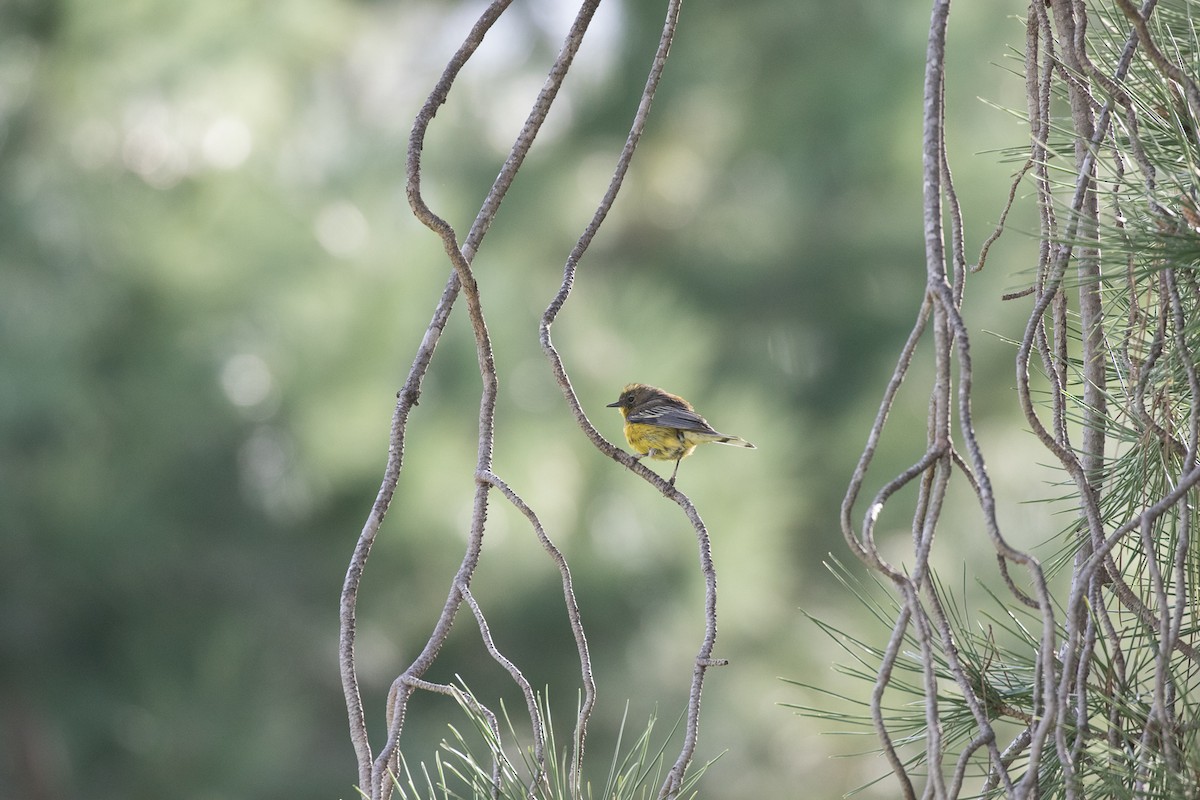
(1119, 376)
(479, 766)
(997, 645)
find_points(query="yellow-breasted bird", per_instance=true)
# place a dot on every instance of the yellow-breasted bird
(664, 426)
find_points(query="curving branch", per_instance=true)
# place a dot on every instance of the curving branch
(373, 771)
(585, 659)
(407, 398)
(1123, 425)
(704, 657)
(377, 771)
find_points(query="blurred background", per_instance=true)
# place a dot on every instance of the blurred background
(211, 288)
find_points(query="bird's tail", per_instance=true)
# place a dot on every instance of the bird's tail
(735, 441)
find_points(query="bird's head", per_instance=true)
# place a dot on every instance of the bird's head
(634, 395)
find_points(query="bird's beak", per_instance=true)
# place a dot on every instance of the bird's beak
(614, 405)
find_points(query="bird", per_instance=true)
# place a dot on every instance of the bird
(664, 426)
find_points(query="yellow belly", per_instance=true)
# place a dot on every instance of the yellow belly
(659, 443)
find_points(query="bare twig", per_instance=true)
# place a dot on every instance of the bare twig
(373, 772)
(406, 400)
(585, 660)
(1132, 370)
(704, 659)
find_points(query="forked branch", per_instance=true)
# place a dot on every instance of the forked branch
(376, 771)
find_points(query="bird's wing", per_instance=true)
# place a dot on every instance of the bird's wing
(671, 416)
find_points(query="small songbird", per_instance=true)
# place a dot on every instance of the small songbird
(664, 426)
